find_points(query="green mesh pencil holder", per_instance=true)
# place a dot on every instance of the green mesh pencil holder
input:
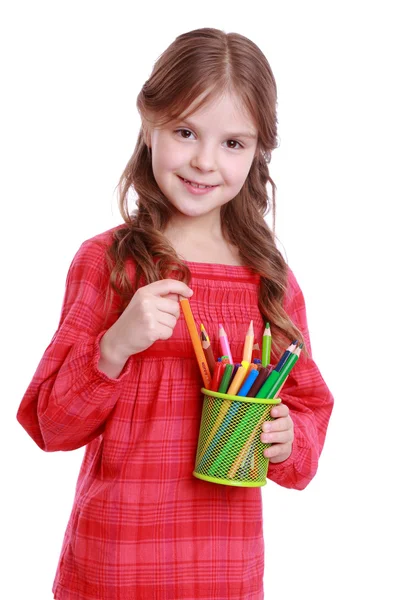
(229, 449)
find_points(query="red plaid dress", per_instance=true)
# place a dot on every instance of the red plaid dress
(141, 526)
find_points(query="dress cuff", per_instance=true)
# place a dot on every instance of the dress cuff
(96, 357)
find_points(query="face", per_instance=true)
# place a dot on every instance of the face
(214, 147)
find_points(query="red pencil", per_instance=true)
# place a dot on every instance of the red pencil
(256, 351)
(218, 372)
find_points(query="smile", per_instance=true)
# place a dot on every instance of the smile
(197, 185)
(197, 188)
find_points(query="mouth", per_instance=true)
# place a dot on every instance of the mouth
(196, 185)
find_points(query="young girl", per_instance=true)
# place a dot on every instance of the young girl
(120, 375)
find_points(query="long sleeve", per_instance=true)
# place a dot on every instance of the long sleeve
(310, 403)
(69, 398)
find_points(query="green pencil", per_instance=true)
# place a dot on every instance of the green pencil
(226, 377)
(277, 378)
(266, 346)
(246, 425)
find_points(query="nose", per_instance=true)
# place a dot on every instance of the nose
(204, 157)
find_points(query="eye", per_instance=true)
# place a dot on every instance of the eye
(234, 142)
(184, 131)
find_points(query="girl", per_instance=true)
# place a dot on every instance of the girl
(120, 375)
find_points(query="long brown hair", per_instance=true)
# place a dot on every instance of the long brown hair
(204, 62)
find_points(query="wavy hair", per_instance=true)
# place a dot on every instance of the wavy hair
(204, 62)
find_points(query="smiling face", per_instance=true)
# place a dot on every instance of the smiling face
(215, 147)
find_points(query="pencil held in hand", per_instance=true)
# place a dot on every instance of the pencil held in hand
(200, 356)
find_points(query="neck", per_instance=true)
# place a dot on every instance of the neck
(205, 226)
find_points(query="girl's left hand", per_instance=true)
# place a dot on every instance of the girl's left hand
(279, 433)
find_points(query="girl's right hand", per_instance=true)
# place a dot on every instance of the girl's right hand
(151, 315)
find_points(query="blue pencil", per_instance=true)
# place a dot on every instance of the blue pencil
(286, 355)
(251, 377)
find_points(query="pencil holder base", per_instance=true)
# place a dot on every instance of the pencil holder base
(229, 450)
(230, 481)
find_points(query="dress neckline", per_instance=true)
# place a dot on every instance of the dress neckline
(223, 271)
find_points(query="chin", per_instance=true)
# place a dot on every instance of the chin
(193, 211)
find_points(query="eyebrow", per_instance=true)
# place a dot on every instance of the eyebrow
(249, 135)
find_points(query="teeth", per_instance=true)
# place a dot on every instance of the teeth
(197, 185)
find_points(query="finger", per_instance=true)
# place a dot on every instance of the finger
(278, 437)
(168, 306)
(278, 424)
(172, 297)
(163, 287)
(165, 332)
(277, 449)
(280, 410)
(164, 318)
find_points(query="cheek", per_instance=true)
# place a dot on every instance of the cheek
(237, 171)
(166, 162)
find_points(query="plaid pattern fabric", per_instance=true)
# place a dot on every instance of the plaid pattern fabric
(141, 526)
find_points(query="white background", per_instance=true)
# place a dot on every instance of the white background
(71, 73)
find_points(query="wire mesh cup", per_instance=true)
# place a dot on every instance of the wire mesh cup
(229, 449)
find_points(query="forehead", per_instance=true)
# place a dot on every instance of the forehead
(224, 111)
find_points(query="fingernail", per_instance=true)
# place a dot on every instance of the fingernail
(267, 427)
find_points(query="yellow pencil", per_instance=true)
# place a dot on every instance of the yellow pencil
(203, 329)
(200, 356)
(248, 344)
(239, 378)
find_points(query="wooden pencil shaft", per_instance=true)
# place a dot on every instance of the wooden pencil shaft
(198, 349)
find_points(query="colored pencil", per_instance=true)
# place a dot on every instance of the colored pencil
(234, 371)
(248, 344)
(228, 412)
(223, 340)
(273, 393)
(226, 377)
(256, 351)
(286, 355)
(276, 379)
(263, 374)
(244, 428)
(266, 346)
(217, 376)
(203, 329)
(250, 379)
(238, 378)
(286, 375)
(191, 325)
(206, 344)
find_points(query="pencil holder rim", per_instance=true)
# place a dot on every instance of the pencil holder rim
(207, 392)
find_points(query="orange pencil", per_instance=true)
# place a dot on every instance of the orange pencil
(248, 344)
(201, 359)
